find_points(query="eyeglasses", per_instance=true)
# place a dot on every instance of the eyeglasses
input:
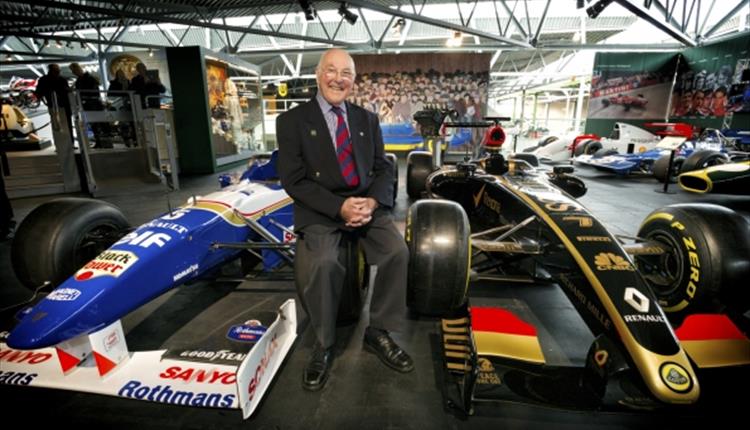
(332, 73)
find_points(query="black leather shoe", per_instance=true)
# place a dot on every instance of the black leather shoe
(381, 344)
(316, 372)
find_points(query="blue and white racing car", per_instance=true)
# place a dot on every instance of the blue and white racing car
(102, 270)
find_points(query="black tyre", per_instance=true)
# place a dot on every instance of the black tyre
(529, 158)
(418, 168)
(703, 158)
(588, 146)
(602, 152)
(605, 103)
(437, 234)
(394, 160)
(60, 236)
(705, 266)
(660, 167)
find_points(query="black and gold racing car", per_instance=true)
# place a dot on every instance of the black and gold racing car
(663, 309)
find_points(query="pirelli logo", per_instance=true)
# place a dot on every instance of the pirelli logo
(610, 261)
(593, 239)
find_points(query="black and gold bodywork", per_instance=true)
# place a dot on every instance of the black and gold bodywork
(731, 178)
(526, 229)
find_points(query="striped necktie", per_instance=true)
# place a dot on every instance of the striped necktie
(344, 150)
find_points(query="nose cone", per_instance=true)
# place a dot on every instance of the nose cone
(63, 314)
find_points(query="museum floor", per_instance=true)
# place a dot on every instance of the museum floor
(362, 392)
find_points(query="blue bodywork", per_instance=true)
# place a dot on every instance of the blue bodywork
(159, 255)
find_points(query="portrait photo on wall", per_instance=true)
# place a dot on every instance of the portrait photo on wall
(234, 103)
(397, 86)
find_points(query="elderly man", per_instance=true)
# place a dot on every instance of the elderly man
(332, 163)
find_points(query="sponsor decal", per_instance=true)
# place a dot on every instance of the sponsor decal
(189, 374)
(675, 377)
(177, 228)
(16, 378)
(112, 262)
(167, 394)
(179, 275)
(28, 357)
(487, 374)
(611, 261)
(583, 221)
(111, 340)
(175, 214)
(593, 239)
(637, 300)
(273, 345)
(644, 318)
(249, 331)
(64, 294)
(478, 196)
(589, 305)
(223, 355)
(145, 239)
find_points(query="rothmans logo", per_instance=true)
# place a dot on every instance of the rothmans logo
(611, 261)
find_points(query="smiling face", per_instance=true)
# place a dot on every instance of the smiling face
(335, 75)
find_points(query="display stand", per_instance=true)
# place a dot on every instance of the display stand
(672, 143)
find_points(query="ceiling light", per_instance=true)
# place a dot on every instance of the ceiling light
(150, 52)
(308, 9)
(455, 41)
(347, 14)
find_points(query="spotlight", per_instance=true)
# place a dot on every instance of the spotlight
(597, 8)
(579, 4)
(347, 14)
(150, 52)
(308, 9)
(83, 45)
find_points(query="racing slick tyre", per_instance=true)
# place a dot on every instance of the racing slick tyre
(660, 167)
(60, 236)
(437, 234)
(705, 264)
(394, 160)
(418, 168)
(356, 282)
(587, 147)
(703, 158)
(602, 152)
(529, 158)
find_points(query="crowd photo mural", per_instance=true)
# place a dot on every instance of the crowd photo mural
(712, 81)
(397, 86)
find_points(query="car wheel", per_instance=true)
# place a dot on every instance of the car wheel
(60, 236)
(437, 234)
(705, 260)
(394, 160)
(660, 167)
(703, 158)
(605, 103)
(356, 282)
(602, 152)
(418, 168)
(582, 147)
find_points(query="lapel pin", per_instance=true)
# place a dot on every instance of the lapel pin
(361, 133)
(313, 133)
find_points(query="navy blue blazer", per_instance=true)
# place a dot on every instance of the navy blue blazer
(309, 169)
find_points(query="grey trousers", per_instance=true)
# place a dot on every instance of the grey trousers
(320, 275)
